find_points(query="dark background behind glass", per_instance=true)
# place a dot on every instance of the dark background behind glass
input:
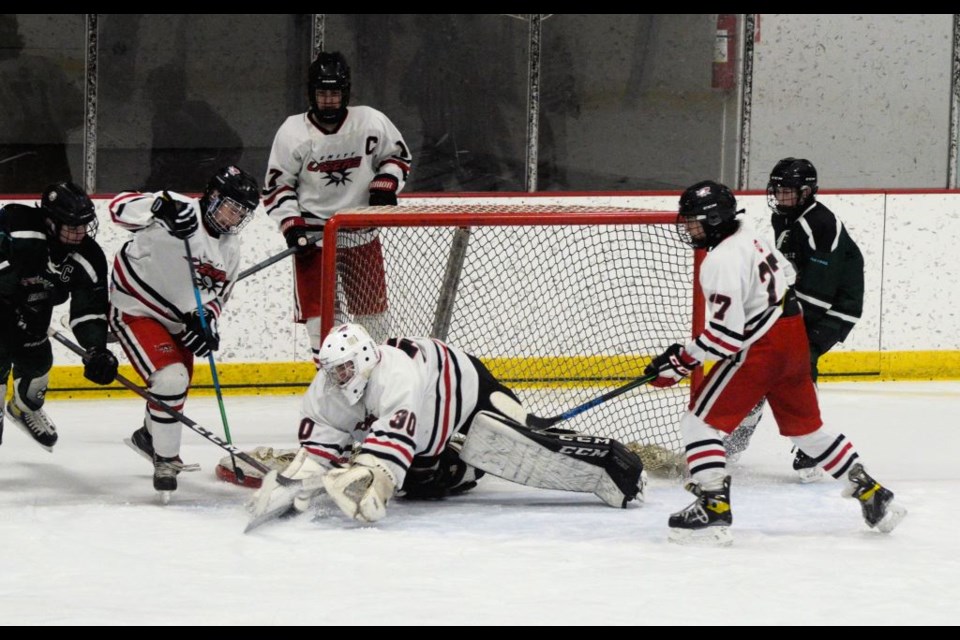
(626, 101)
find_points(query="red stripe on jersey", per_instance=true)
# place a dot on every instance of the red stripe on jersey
(726, 345)
(323, 454)
(837, 458)
(118, 203)
(407, 455)
(273, 196)
(118, 270)
(404, 166)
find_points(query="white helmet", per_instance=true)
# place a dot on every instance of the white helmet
(348, 356)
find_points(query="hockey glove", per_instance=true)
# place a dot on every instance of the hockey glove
(823, 337)
(671, 366)
(295, 231)
(383, 190)
(180, 218)
(198, 340)
(99, 365)
(32, 322)
(363, 489)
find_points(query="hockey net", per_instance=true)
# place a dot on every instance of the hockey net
(562, 303)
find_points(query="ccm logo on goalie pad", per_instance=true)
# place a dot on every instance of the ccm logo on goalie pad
(581, 451)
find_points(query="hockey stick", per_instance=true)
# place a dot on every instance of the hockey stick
(312, 238)
(538, 422)
(146, 395)
(213, 365)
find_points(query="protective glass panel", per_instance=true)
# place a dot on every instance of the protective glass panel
(41, 100)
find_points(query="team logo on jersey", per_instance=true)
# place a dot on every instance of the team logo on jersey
(336, 172)
(209, 278)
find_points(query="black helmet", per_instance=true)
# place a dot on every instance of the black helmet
(713, 205)
(329, 71)
(792, 173)
(67, 205)
(230, 199)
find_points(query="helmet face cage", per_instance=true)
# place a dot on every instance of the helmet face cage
(230, 200)
(792, 186)
(329, 72)
(707, 215)
(70, 213)
(348, 356)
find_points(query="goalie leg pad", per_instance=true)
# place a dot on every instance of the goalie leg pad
(565, 461)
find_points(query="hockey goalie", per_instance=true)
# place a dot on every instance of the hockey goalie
(422, 419)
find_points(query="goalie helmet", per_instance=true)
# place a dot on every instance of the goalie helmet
(792, 186)
(707, 215)
(69, 212)
(348, 356)
(229, 201)
(329, 72)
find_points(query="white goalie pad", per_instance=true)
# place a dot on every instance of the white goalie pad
(513, 452)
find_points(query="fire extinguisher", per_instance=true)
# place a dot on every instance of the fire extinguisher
(724, 52)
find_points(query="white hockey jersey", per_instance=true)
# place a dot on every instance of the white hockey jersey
(420, 393)
(313, 174)
(151, 276)
(744, 280)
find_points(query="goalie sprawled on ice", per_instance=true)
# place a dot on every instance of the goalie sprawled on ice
(423, 419)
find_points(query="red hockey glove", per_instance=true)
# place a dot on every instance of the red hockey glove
(671, 366)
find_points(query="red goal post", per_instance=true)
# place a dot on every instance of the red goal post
(562, 302)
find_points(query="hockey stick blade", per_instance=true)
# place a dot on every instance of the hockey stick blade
(146, 395)
(143, 454)
(539, 422)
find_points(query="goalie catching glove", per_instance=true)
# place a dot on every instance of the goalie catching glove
(281, 492)
(363, 489)
(671, 366)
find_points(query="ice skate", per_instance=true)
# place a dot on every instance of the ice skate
(142, 442)
(165, 472)
(707, 520)
(879, 509)
(36, 424)
(806, 467)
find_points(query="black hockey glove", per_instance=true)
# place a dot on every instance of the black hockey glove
(383, 190)
(295, 231)
(671, 366)
(195, 338)
(824, 336)
(99, 365)
(32, 322)
(180, 218)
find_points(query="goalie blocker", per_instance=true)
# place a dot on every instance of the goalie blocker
(554, 459)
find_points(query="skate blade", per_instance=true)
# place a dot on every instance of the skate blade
(187, 467)
(894, 515)
(164, 497)
(707, 537)
(809, 475)
(27, 431)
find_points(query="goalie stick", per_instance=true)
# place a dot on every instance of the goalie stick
(539, 422)
(146, 395)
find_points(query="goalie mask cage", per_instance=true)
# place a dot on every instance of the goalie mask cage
(577, 299)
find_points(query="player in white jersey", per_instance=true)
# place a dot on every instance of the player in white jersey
(754, 328)
(334, 157)
(383, 419)
(153, 293)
